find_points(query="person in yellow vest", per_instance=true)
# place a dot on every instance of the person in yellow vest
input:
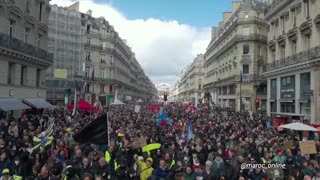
(108, 160)
(6, 175)
(146, 168)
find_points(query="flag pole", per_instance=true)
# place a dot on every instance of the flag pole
(108, 123)
(240, 92)
(75, 102)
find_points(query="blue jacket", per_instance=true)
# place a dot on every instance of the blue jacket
(160, 173)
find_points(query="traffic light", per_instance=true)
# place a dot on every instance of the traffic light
(165, 97)
(257, 103)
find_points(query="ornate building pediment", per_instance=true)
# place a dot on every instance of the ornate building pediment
(292, 34)
(43, 27)
(281, 40)
(30, 19)
(317, 21)
(272, 44)
(15, 11)
(305, 28)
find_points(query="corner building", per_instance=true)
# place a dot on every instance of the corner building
(293, 69)
(238, 48)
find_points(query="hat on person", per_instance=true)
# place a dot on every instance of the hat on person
(6, 170)
(279, 151)
(120, 135)
(150, 160)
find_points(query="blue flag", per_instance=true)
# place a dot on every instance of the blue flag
(189, 133)
(163, 119)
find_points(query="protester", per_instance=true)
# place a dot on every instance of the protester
(209, 143)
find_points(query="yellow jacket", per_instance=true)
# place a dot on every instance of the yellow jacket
(145, 171)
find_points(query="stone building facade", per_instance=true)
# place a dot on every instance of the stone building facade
(293, 69)
(190, 87)
(235, 58)
(65, 43)
(110, 65)
(23, 48)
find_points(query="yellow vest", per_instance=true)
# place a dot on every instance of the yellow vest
(173, 162)
(107, 156)
(16, 177)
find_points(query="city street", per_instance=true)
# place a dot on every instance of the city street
(159, 90)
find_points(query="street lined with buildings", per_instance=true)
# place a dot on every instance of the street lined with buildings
(263, 57)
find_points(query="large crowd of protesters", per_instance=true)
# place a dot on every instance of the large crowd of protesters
(222, 140)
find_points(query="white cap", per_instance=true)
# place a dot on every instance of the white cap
(140, 158)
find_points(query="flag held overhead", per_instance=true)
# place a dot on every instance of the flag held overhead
(96, 132)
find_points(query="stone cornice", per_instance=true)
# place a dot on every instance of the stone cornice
(23, 58)
(293, 68)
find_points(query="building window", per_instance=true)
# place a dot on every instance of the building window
(88, 29)
(87, 88)
(245, 68)
(288, 87)
(40, 11)
(28, 10)
(305, 108)
(246, 31)
(293, 17)
(273, 107)
(39, 40)
(273, 29)
(294, 47)
(282, 21)
(282, 51)
(103, 73)
(307, 9)
(104, 32)
(111, 62)
(11, 28)
(11, 73)
(287, 107)
(87, 71)
(259, 31)
(88, 41)
(26, 35)
(103, 58)
(199, 86)
(38, 78)
(23, 74)
(101, 88)
(273, 88)
(307, 42)
(246, 49)
(259, 50)
(305, 85)
(273, 55)
(88, 58)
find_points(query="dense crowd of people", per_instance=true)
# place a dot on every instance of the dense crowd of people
(222, 140)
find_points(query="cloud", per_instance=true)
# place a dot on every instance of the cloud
(162, 48)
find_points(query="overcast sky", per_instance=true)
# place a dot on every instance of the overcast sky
(163, 46)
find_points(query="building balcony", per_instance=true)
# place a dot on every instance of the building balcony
(304, 56)
(25, 48)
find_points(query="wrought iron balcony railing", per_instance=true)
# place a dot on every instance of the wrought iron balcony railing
(20, 46)
(303, 56)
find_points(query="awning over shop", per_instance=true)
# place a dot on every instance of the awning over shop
(38, 103)
(12, 104)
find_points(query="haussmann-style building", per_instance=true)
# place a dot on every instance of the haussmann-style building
(293, 69)
(235, 58)
(24, 58)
